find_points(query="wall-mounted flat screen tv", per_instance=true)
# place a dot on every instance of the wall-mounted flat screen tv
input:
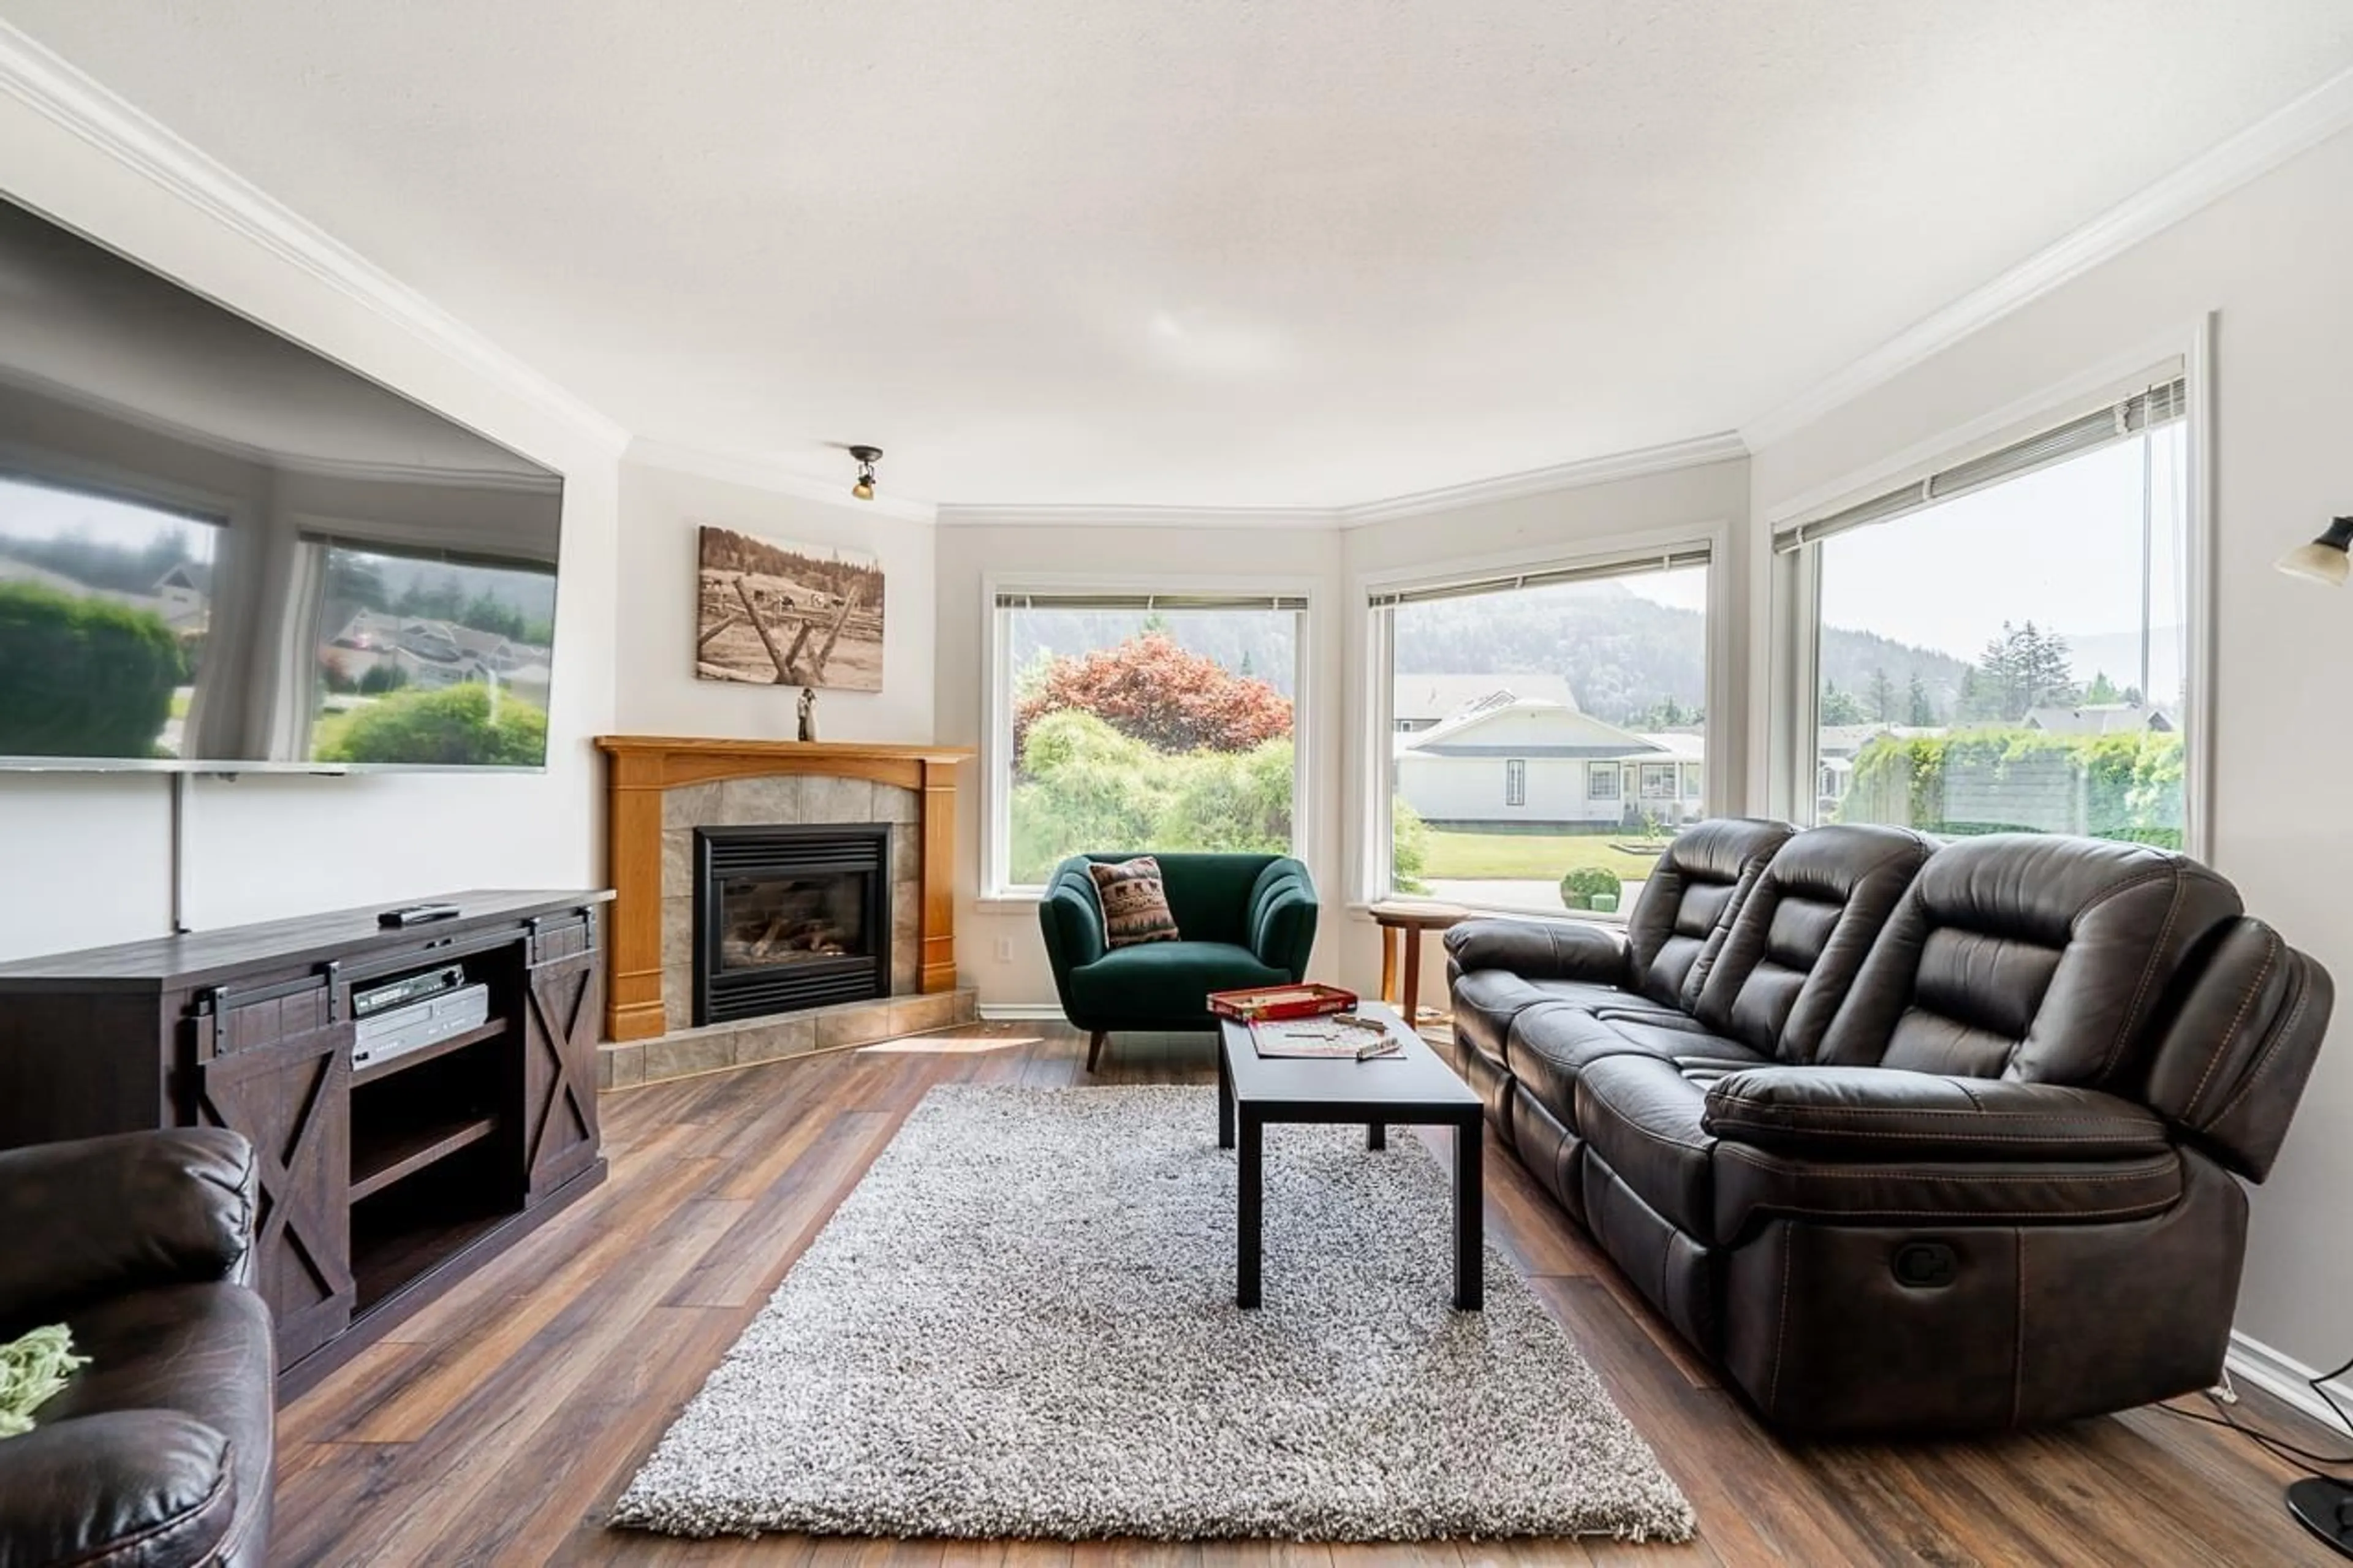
(220, 551)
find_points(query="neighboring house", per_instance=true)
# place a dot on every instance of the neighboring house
(2102, 719)
(532, 682)
(15, 570)
(428, 669)
(434, 654)
(494, 651)
(1418, 703)
(181, 600)
(1833, 776)
(1836, 746)
(183, 596)
(1531, 761)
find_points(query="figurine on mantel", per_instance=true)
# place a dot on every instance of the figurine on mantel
(808, 713)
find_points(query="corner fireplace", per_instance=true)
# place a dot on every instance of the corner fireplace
(789, 917)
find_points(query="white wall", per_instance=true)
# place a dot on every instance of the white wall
(2270, 261)
(1477, 789)
(657, 691)
(83, 858)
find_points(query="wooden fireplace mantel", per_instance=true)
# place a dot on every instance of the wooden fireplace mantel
(642, 767)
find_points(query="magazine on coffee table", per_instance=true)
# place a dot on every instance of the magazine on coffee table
(1339, 1036)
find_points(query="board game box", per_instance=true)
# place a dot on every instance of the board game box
(1268, 1002)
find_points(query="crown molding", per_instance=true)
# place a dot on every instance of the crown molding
(1698, 451)
(761, 473)
(1694, 453)
(2253, 152)
(72, 100)
(1251, 517)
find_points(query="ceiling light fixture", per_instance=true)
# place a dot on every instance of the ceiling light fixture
(867, 457)
(2324, 560)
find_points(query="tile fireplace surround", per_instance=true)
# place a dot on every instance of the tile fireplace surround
(661, 788)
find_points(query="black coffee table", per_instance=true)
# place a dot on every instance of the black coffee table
(1413, 1088)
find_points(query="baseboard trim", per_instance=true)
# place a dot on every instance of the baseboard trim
(1021, 1013)
(2286, 1377)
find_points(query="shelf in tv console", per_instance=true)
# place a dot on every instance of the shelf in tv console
(401, 1178)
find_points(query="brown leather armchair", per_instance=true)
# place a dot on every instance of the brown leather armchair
(161, 1451)
(1926, 1141)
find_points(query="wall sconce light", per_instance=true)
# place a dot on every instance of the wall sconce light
(2324, 560)
(867, 457)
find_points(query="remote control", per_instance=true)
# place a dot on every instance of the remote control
(416, 914)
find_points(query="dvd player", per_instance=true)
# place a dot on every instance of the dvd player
(395, 1031)
(408, 988)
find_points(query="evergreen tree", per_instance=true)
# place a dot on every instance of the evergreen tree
(1840, 707)
(1922, 711)
(443, 598)
(2023, 668)
(1666, 714)
(1998, 683)
(1882, 697)
(1979, 696)
(2046, 672)
(356, 579)
(2101, 689)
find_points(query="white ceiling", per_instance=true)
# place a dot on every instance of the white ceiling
(1149, 252)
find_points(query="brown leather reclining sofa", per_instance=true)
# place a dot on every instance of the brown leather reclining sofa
(161, 1451)
(1907, 1139)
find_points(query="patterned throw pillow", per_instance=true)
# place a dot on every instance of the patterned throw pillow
(1134, 904)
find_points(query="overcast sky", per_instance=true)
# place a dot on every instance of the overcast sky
(2060, 547)
(36, 511)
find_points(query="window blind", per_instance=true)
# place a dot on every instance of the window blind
(1147, 603)
(2160, 404)
(1667, 561)
(361, 540)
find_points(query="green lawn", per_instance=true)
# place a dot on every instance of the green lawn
(1510, 856)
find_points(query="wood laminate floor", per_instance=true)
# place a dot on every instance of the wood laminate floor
(498, 1425)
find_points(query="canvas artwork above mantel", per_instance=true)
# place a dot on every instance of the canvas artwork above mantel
(773, 612)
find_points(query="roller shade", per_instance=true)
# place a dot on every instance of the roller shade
(2160, 404)
(1667, 561)
(1147, 603)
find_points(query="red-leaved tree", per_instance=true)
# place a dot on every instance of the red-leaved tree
(1152, 689)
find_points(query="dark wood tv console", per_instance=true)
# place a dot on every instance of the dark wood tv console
(381, 1187)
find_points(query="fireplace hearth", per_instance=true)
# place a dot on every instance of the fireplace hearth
(789, 917)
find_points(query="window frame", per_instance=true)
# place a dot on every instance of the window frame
(1611, 774)
(1793, 623)
(1372, 786)
(996, 702)
(1515, 782)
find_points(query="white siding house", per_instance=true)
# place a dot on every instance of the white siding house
(1536, 762)
(1418, 703)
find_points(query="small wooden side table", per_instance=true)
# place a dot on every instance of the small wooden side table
(1402, 924)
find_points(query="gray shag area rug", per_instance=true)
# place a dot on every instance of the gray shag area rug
(1021, 1323)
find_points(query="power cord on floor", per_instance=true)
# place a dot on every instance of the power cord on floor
(2280, 1447)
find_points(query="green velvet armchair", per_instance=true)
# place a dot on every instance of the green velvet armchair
(1242, 919)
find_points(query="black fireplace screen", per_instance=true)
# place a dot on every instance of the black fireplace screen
(786, 917)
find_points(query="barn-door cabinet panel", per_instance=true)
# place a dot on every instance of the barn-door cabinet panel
(416, 1097)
